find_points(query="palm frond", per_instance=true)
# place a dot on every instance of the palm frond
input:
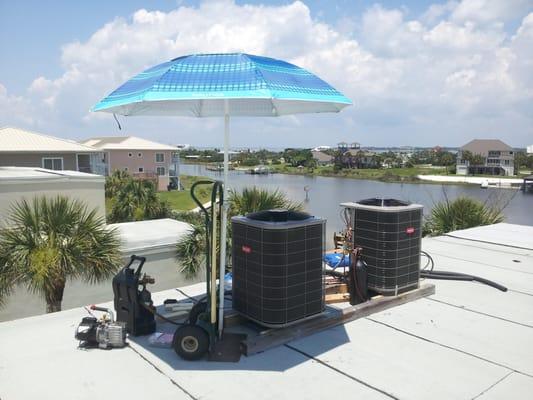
(192, 247)
(461, 213)
(255, 199)
(191, 250)
(51, 240)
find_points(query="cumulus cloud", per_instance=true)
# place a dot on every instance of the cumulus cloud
(451, 74)
(14, 109)
(490, 10)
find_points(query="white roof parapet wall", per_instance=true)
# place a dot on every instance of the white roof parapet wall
(152, 236)
(17, 183)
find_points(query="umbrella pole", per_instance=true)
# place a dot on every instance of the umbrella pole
(224, 222)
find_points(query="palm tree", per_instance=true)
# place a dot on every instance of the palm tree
(191, 251)
(448, 159)
(191, 248)
(48, 241)
(136, 199)
(255, 199)
(461, 213)
(114, 182)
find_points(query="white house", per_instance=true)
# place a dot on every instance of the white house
(497, 158)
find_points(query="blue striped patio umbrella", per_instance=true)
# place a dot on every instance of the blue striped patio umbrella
(216, 85)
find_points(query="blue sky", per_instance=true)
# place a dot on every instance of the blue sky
(419, 72)
(48, 25)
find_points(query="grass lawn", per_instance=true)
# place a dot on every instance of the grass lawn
(182, 200)
(179, 200)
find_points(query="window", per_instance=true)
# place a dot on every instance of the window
(161, 171)
(55, 163)
(130, 155)
(141, 169)
(139, 155)
(159, 157)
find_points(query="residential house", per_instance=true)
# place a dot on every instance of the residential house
(140, 157)
(322, 158)
(496, 158)
(23, 148)
(357, 158)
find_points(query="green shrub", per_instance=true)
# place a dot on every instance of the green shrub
(461, 213)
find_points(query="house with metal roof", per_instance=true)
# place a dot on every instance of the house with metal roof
(139, 157)
(23, 148)
(485, 156)
(322, 158)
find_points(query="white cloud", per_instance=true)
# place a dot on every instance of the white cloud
(448, 72)
(14, 109)
(490, 10)
(438, 11)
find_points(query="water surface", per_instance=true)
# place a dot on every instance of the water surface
(326, 193)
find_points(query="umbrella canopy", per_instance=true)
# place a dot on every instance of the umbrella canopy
(194, 86)
(212, 85)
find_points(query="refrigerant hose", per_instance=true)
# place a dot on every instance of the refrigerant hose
(453, 276)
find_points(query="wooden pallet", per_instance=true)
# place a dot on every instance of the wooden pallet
(269, 338)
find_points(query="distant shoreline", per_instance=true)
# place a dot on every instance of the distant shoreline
(414, 175)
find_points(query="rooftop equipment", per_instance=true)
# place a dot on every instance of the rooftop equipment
(277, 266)
(390, 232)
(104, 333)
(132, 300)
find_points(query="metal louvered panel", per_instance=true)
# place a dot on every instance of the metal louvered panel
(390, 232)
(277, 270)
